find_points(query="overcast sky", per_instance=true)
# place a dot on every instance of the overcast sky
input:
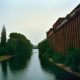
(33, 18)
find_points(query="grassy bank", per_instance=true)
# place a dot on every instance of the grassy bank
(1, 57)
(72, 60)
(5, 57)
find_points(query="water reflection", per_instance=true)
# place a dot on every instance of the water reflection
(19, 62)
(4, 69)
(59, 73)
(30, 67)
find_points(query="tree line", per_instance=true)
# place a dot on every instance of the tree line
(15, 45)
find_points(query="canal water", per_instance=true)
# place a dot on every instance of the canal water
(31, 67)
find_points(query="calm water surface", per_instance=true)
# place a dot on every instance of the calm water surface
(31, 67)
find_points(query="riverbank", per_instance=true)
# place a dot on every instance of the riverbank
(68, 69)
(5, 57)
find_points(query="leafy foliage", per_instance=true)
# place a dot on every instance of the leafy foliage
(45, 49)
(16, 44)
(17, 36)
(73, 59)
(58, 58)
(2, 50)
(43, 46)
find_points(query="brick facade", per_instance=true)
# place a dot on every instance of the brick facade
(65, 32)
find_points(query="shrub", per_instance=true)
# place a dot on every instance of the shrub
(2, 51)
(73, 59)
(58, 58)
(78, 68)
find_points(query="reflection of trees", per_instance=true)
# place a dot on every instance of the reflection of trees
(4, 69)
(44, 65)
(58, 72)
(19, 62)
(4, 66)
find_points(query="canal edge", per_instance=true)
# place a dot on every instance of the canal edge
(5, 58)
(68, 69)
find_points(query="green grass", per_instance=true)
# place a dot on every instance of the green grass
(1, 57)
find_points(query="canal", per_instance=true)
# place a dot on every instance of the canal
(31, 67)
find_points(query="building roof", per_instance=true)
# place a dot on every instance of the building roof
(61, 21)
(58, 22)
(49, 30)
(69, 15)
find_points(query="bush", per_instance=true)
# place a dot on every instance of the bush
(44, 49)
(2, 50)
(43, 46)
(70, 48)
(10, 50)
(73, 59)
(48, 55)
(58, 58)
(78, 68)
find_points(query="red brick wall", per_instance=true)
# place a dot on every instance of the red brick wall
(59, 41)
(67, 34)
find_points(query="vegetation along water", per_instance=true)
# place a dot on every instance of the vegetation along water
(28, 64)
(31, 67)
(71, 61)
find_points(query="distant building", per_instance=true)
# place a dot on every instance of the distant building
(65, 32)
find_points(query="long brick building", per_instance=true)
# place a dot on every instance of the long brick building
(65, 32)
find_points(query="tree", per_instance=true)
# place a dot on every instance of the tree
(3, 36)
(43, 46)
(17, 36)
(18, 44)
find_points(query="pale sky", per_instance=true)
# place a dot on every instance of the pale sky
(33, 18)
